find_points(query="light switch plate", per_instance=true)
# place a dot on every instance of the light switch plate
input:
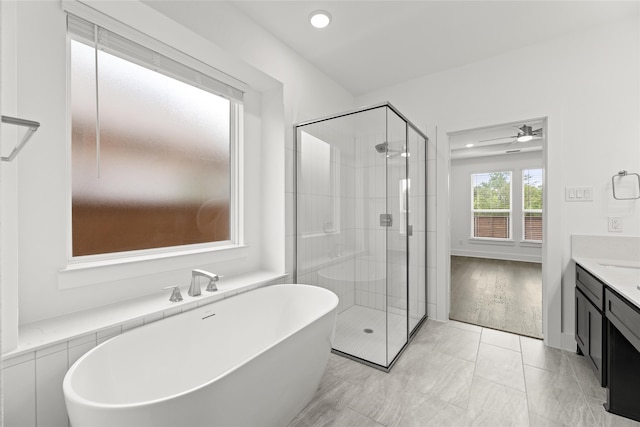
(578, 194)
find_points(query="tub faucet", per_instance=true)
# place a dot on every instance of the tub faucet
(175, 293)
(194, 288)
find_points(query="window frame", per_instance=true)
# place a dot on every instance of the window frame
(526, 211)
(236, 136)
(473, 211)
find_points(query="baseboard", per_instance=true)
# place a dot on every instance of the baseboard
(497, 255)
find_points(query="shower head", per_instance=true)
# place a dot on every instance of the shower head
(382, 147)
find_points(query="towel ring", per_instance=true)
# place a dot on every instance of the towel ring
(621, 174)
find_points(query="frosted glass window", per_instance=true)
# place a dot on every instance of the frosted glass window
(159, 174)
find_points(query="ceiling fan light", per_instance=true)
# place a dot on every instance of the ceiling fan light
(525, 138)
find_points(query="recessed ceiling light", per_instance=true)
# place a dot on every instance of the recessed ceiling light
(469, 145)
(320, 18)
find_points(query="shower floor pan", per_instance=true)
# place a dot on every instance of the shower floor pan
(362, 332)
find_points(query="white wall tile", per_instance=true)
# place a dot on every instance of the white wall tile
(186, 307)
(172, 312)
(51, 349)
(152, 318)
(19, 394)
(431, 285)
(84, 339)
(50, 407)
(109, 332)
(12, 361)
(139, 322)
(78, 351)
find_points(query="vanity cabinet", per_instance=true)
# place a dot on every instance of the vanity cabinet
(608, 335)
(623, 356)
(590, 322)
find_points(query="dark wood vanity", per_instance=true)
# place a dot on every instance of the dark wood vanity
(608, 335)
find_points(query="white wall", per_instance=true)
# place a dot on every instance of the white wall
(587, 85)
(8, 183)
(460, 191)
(42, 191)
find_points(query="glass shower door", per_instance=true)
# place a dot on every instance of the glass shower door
(397, 231)
(417, 218)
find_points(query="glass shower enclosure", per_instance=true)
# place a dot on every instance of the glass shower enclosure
(360, 226)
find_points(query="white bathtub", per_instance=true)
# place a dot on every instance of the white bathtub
(252, 360)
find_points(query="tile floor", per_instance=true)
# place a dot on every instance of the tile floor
(456, 374)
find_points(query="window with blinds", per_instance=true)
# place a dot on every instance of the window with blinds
(153, 144)
(491, 205)
(532, 191)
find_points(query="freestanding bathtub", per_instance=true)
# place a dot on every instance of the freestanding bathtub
(252, 360)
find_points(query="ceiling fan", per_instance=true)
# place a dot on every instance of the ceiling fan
(525, 133)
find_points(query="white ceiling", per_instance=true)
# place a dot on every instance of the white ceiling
(374, 44)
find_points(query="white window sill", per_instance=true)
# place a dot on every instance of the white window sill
(488, 241)
(531, 243)
(78, 274)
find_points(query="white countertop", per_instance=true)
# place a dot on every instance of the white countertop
(623, 276)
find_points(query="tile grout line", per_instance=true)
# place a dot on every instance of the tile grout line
(526, 390)
(473, 375)
(582, 393)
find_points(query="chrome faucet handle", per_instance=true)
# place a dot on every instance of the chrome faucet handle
(212, 287)
(175, 293)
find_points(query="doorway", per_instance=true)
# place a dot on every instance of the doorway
(496, 205)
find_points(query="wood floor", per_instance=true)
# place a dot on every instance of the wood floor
(498, 294)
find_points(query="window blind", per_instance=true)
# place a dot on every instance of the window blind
(532, 188)
(491, 190)
(113, 43)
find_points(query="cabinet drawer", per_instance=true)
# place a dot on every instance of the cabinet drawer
(625, 317)
(591, 287)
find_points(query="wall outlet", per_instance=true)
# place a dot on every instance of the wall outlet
(615, 224)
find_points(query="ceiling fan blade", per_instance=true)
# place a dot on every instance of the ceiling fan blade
(515, 141)
(496, 139)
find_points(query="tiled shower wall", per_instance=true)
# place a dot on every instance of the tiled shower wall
(328, 243)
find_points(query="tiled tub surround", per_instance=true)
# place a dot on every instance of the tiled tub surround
(33, 373)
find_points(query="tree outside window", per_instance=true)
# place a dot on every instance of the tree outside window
(532, 192)
(491, 205)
